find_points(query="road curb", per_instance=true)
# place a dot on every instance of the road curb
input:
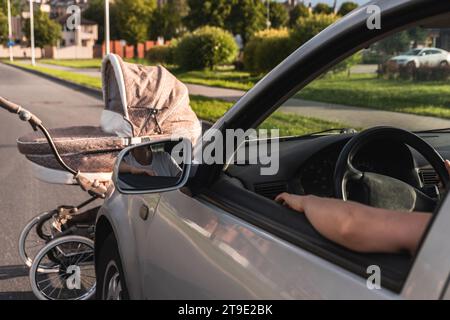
(96, 93)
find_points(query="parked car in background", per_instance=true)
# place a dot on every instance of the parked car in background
(426, 57)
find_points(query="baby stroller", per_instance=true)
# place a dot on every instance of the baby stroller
(142, 103)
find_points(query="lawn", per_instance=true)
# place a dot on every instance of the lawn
(219, 78)
(224, 78)
(74, 63)
(431, 98)
(360, 90)
(210, 109)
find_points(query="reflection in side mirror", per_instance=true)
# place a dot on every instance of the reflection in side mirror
(153, 167)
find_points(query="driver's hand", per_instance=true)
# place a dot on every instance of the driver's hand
(292, 201)
(148, 172)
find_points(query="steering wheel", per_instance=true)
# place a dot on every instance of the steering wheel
(383, 191)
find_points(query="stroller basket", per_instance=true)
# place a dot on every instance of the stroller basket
(141, 103)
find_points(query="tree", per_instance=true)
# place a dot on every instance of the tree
(417, 35)
(3, 28)
(322, 8)
(96, 12)
(167, 20)
(46, 30)
(133, 18)
(308, 27)
(207, 12)
(15, 7)
(347, 7)
(246, 18)
(299, 11)
(394, 44)
(279, 16)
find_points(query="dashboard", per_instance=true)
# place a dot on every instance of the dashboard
(306, 165)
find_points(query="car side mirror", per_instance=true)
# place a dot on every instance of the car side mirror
(153, 167)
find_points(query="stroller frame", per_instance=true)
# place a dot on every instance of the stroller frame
(67, 225)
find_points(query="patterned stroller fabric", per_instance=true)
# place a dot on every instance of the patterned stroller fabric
(145, 101)
(141, 103)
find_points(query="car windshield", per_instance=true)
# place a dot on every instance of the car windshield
(414, 52)
(369, 89)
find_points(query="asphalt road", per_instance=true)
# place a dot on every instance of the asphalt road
(21, 196)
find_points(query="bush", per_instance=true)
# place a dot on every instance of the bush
(307, 27)
(425, 73)
(161, 54)
(266, 49)
(391, 70)
(206, 47)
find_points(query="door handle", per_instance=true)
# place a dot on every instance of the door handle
(145, 211)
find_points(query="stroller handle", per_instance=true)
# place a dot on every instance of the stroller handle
(10, 106)
(23, 113)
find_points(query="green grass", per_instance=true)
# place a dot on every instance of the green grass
(217, 78)
(74, 63)
(222, 77)
(209, 109)
(431, 98)
(366, 90)
(289, 124)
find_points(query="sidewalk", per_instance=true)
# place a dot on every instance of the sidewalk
(352, 116)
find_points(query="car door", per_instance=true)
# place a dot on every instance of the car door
(195, 250)
(427, 58)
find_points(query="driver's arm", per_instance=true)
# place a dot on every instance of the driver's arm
(359, 227)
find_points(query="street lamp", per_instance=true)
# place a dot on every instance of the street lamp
(11, 58)
(33, 55)
(107, 36)
(268, 23)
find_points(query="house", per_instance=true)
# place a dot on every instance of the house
(74, 44)
(84, 36)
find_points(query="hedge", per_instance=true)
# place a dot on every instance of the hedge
(206, 47)
(266, 49)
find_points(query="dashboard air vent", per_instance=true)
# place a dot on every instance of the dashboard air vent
(429, 177)
(271, 189)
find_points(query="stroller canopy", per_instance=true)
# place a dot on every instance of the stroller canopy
(145, 101)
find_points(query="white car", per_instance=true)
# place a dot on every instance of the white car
(426, 57)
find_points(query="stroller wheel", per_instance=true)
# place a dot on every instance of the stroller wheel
(36, 234)
(72, 277)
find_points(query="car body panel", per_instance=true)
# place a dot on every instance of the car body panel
(205, 253)
(428, 277)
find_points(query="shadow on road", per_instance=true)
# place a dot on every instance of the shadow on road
(10, 272)
(17, 296)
